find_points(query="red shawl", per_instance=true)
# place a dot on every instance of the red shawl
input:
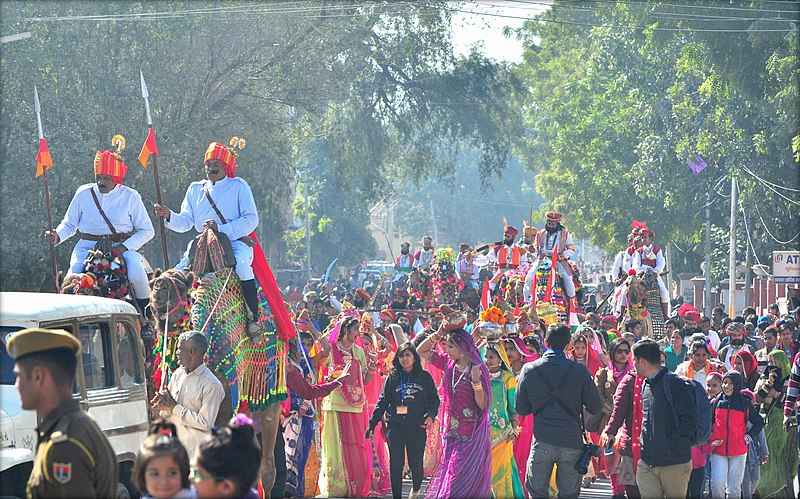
(263, 273)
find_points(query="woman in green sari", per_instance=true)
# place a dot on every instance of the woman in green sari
(777, 476)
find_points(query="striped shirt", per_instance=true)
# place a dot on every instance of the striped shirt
(793, 389)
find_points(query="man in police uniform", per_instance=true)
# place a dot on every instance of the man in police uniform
(73, 457)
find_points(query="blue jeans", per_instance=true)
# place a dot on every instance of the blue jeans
(540, 467)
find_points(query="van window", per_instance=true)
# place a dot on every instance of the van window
(96, 355)
(6, 362)
(130, 370)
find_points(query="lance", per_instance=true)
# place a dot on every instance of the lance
(53, 261)
(161, 228)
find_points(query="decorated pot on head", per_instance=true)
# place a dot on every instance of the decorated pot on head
(492, 322)
(547, 312)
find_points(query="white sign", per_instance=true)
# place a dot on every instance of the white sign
(786, 267)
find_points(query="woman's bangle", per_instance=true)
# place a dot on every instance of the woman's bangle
(477, 386)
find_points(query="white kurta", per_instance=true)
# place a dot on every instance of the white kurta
(125, 210)
(660, 265)
(199, 395)
(424, 258)
(235, 200)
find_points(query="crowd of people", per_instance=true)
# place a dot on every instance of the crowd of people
(710, 411)
(453, 371)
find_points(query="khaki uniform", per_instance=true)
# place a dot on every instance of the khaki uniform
(73, 457)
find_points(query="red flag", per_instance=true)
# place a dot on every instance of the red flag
(149, 147)
(485, 295)
(43, 159)
(264, 276)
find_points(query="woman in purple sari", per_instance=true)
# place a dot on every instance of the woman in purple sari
(464, 470)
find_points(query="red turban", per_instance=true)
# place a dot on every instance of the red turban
(553, 216)
(110, 162)
(224, 154)
(511, 230)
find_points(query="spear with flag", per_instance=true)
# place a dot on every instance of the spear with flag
(43, 163)
(149, 148)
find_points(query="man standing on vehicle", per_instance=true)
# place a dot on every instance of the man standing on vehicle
(423, 258)
(194, 394)
(73, 457)
(108, 210)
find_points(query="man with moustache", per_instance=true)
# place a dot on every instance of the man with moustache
(108, 210)
(223, 202)
(554, 242)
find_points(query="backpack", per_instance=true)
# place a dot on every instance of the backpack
(702, 429)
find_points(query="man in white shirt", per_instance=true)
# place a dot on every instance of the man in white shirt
(553, 238)
(651, 257)
(122, 206)
(194, 394)
(221, 193)
(424, 257)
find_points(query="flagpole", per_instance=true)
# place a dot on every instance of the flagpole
(53, 259)
(161, 228)
(48, 208)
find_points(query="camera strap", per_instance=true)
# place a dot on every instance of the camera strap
(555, 398)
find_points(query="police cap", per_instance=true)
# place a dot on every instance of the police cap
(35, 340)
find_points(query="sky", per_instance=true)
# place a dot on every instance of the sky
(470, 29)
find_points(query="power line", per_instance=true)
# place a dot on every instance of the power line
(747, 231)
(685, 6)
(780, 194)
(766, 228)
(768, 182)
(240, 9)
(623, 26)
(559, 7)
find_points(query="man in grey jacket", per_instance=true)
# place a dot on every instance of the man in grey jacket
(556, 390)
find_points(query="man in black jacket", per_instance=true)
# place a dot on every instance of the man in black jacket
(556, 390)
(666, 455)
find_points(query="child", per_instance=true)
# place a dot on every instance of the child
(227, 462)
(713, 385)
(161, 470)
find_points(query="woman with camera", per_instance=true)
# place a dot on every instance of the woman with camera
(777, 475)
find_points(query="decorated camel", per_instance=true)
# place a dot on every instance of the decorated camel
(252, 369)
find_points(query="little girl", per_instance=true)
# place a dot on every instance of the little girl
(227, 462)
(161, 470)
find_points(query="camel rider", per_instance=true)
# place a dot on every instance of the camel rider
(651, 257)
(526, 243)
(506, 254)
(405, 260)
(423, 259)
(221, 193)
(633, 246)
(107, 210)
(553, 238)
(618, 271)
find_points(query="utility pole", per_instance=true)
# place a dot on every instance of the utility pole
(435, 227)
(732, 252)
(707, 283)
(308, 233)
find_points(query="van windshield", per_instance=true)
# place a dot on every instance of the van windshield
(6, 362)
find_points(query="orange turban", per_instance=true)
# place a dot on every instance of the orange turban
(225, 155)
(110, 162)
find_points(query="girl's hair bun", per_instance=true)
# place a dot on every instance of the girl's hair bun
(241, 427)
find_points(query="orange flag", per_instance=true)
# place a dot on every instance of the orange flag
(43, 159)
(149, 147)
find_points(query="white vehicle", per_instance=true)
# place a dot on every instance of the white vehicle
(110, 380)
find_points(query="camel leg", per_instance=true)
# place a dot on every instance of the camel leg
(270, 419)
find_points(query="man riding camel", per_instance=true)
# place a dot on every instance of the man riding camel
(651, 257)
(111, 212)
(223, 202)
(553, 238)
(423, 258)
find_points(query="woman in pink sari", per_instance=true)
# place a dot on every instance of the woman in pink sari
(345, 452)
(519, 355)
(377, 350)
(465, 468)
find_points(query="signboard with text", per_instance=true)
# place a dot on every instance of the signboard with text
(786, 267)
